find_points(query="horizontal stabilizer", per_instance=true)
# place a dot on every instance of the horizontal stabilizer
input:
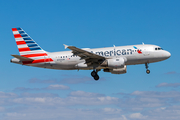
(22, 58)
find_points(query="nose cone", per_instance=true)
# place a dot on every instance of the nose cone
(168, 54)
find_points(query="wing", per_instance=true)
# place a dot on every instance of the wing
(89, 57)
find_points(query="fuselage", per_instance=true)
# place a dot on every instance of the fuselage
(133, 54)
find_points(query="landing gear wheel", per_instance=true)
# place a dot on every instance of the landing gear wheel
(96, 77)
(93, 73)
(147, 71)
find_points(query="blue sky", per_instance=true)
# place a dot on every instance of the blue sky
(41, 94)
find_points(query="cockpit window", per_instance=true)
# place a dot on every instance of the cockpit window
(158, 48)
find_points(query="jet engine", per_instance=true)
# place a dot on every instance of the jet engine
(114, 63)
(117, 71)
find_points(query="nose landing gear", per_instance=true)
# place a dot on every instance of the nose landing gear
(95, 75)
(147, 70)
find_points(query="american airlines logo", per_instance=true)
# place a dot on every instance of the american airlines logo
(117, 52)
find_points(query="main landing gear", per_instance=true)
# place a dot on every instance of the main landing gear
(95, 75)
(147, 71)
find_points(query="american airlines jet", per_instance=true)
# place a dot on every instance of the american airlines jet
(110, 59)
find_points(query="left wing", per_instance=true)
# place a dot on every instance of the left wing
(89, 57)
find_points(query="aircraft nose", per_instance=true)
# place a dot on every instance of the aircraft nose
(167, 54)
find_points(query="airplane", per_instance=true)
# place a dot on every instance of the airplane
(110, 59)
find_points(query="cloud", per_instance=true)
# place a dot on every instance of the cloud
(67, 80)
(87, 98)
(50, 87)
(7, 95)
(15, 114)
(73, 79)
(163, 113)
(122, 117)
(168, 85)
(111, 110)
(74, 98)
(155, 94)
(64, 113)
(85, 94)
(2, 109)
(36, 80)
(137, 116)
(172, 72)
(25, 89)
(141, 105)
(57, 87)
(138, 100)
(76, 80)
(41, 95)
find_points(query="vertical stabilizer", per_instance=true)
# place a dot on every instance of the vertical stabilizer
(26, 45)
(28, 48)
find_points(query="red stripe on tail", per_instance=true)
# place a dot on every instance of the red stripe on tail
(17, 36)
(20, 42)
(35, 55)
(24, 49)
(14, 29)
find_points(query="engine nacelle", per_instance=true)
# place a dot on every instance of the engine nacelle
(119, 70)
(116, 62)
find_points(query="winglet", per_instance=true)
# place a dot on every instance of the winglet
(66, 46)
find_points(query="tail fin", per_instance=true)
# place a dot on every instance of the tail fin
(26, 45)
